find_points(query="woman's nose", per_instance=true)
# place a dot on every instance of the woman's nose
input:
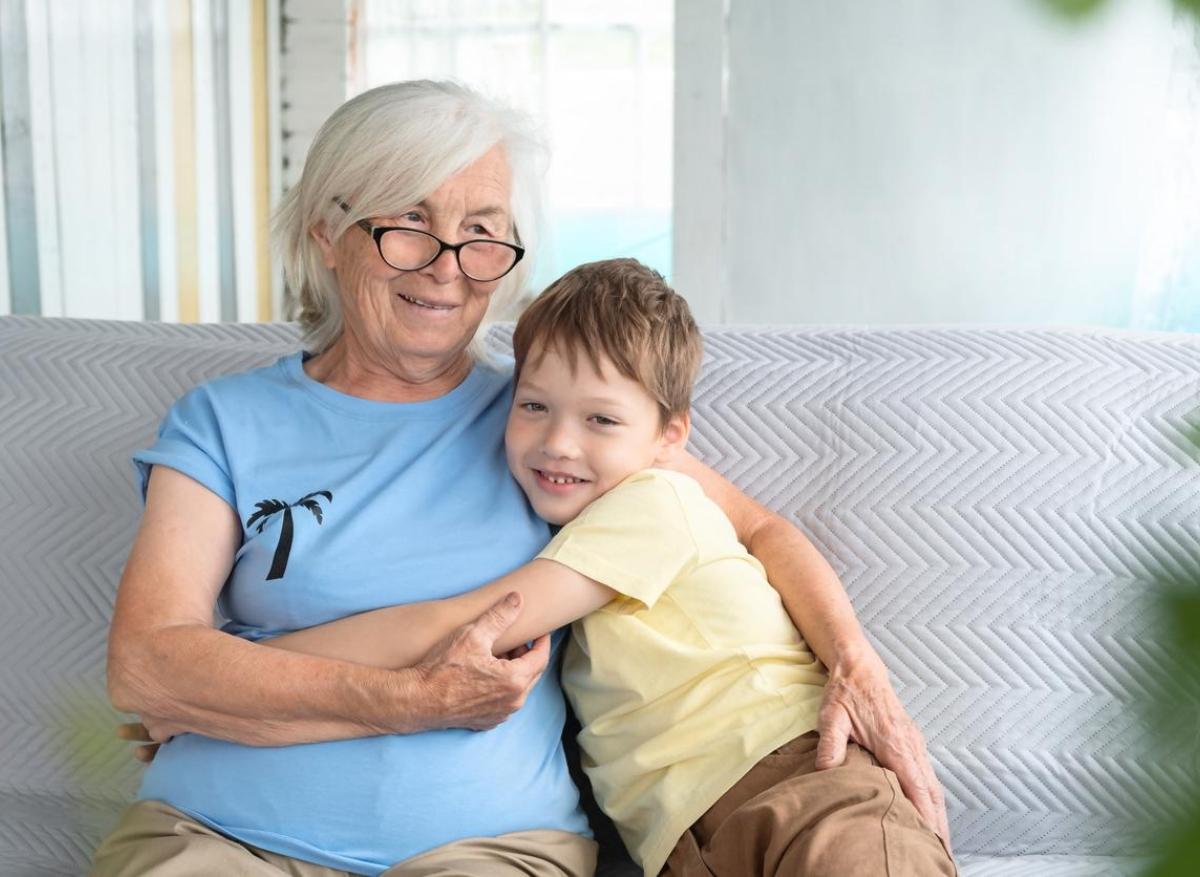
(444, 269)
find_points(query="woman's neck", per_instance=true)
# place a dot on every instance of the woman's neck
(349, 370)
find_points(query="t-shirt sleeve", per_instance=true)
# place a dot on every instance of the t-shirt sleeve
(189, 441)
(635, 539)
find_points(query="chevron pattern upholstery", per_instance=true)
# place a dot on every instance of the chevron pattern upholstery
(996, 502)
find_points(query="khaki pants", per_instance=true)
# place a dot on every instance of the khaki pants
(157, 840)
(787, 818)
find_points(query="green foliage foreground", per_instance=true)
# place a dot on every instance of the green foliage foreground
(1084, 8)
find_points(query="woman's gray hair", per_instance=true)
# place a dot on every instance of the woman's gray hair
(385, 151)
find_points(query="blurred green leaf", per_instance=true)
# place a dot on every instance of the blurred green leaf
(87, 745)
(1184, 611)
(1077, 8)
(1191, 436)
(1192, 6)
(1181, 853)
(1084, 8)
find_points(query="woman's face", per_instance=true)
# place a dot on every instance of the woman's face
(424, 318)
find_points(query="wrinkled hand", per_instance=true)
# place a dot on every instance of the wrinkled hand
(860, 705)
(468, 685)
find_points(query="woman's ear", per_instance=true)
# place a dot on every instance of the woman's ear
(327, 254)
(674, 437)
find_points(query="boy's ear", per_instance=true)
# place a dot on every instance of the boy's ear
(674, 437)
(322, 239)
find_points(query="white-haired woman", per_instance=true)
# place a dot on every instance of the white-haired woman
(370, 471)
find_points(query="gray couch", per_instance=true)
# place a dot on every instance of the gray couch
(996, 502)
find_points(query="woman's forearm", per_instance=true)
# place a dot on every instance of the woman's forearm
(811, 592)
(204, 681)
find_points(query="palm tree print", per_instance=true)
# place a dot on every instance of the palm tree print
(268, 508)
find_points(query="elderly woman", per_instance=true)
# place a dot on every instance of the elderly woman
(370, 471)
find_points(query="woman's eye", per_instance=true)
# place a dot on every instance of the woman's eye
(479, 229)
(412, 216)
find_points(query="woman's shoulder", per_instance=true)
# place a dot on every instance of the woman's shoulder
(241, 387)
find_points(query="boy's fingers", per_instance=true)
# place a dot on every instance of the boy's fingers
(135, 731)
(145, 754)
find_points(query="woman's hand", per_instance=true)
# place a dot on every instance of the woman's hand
(860, 705)
(474, 689)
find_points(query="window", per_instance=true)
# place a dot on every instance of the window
(599, 78)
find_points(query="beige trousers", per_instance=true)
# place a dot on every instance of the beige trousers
(787, 819)
(156, 840)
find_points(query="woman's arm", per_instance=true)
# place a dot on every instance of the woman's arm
(168, 663)
(552, 595)
(859, 701)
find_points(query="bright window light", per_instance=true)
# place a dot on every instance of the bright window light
(597, 75)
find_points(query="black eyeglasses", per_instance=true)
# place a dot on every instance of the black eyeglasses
(408, 249)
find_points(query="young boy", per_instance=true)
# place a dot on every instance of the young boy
(697, 697)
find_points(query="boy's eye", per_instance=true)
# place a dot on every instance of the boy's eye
(532, 406)
(601, 420)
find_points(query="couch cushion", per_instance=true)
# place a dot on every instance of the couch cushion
(995, 501)
(1050, 866)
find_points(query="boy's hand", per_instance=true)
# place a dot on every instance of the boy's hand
(860, 705)
(140, 732)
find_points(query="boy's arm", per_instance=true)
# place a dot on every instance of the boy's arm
(552, 595)
(859, 701)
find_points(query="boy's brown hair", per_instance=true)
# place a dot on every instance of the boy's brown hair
(620, 309)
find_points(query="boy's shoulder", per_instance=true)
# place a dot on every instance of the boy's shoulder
(661, 496)
(689, 504)
(685, 485)
(665, 481)
(672, 495)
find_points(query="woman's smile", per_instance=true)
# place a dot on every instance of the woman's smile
(426, 305)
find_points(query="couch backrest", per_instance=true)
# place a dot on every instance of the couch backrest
(996, 502)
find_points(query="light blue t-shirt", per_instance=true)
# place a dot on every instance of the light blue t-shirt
(388, 503)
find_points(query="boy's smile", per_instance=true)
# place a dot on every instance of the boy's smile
(574, 433)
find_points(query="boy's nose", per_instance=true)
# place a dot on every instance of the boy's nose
(559, 444)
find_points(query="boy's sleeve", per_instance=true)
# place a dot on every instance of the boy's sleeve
(189, 440)
(635, 539)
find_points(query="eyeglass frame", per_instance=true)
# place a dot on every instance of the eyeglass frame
(378, 231)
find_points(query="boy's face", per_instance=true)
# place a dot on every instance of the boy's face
(573, 437)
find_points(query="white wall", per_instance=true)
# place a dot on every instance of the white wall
(931, 161)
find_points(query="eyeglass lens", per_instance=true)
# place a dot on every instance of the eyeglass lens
(479, 260)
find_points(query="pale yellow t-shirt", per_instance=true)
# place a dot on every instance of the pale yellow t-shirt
(691, 676)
